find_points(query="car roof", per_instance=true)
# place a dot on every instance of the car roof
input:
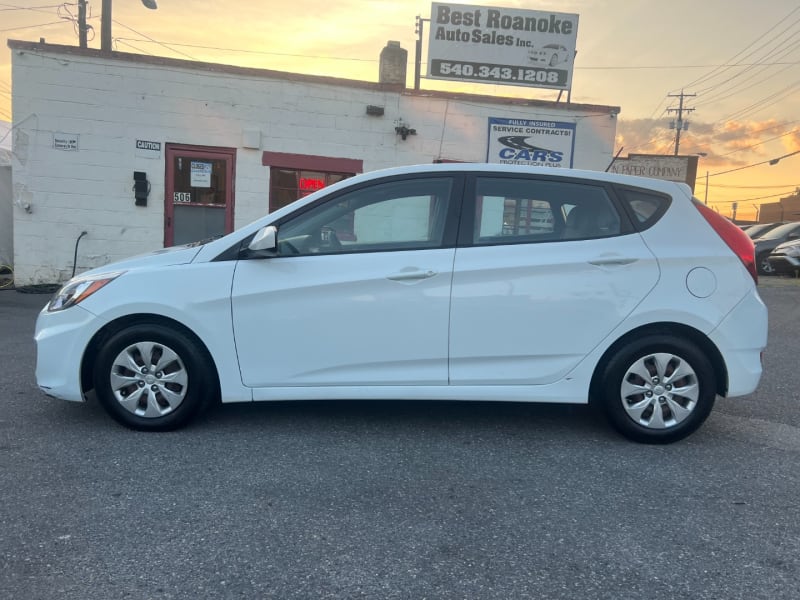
(780, 231)
(669, 187)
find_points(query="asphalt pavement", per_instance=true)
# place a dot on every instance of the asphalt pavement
(386, 500)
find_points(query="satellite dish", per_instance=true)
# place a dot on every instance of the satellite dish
(151, 4)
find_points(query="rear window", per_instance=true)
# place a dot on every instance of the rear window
(646, 207)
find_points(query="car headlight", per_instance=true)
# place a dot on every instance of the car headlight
(77, 290)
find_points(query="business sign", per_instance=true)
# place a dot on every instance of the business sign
(509, 46)
(148, 149)
(682, 169)
(200, 174)
(526, 142)
(69, 142)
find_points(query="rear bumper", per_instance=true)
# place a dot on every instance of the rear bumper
(741, 338)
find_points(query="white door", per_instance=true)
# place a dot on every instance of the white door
(537, 288)
(359, 293)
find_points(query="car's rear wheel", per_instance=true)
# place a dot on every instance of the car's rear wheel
(151, 377)
(658, 389)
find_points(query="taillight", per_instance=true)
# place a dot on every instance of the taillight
(737, 240)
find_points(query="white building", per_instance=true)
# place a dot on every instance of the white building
(144, 152)
(6, 208)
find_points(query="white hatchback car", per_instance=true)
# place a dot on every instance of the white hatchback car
(459, 282)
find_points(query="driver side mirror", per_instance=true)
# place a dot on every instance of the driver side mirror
(265, 241)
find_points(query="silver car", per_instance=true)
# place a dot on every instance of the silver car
(785, 259)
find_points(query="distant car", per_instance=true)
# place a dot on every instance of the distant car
(785, 259)
(759, 229)
(429, 282)
(770, 240)
(549, 54)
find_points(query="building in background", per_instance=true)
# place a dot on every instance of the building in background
(144, 152)
(787, 209)
(6, 195)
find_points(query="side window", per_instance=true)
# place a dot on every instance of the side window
(400, 215)
(645, 206)
(509, 211)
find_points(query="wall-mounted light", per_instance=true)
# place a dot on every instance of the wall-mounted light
(403, 130)
(141, 188)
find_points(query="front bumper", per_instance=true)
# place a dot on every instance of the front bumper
(784, 263)
(61, 339)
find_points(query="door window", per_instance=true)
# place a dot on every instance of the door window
(509, 211)
(400, 215)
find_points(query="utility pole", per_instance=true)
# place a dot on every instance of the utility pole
(82, 28)
(680, 124)
(105, 27)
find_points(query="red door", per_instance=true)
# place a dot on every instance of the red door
(199, 199)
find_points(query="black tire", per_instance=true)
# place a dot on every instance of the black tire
(153, 401)
(672, 411)
(764, 266)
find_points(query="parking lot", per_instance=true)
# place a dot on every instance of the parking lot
(398, 499)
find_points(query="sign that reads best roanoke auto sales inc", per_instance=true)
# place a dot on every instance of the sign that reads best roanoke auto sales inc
(525, 142)
(483, 44)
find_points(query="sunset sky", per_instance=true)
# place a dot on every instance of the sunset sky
(741, 59)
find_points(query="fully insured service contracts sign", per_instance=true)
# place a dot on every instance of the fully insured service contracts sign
(483, 44)
(533, 143)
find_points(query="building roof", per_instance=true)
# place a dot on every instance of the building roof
(207, 67)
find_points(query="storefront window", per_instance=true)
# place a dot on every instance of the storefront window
(288, 185)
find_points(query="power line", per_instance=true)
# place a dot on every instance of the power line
(32, 26)
(251, 51)
(777, 137)
(154, 41)
(710, 75)
(762, 103)
(750, 187)
(32, 8)
(771, 161)
(747, 199)
(760, 62)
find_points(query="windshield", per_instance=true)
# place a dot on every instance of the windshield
(780, 231)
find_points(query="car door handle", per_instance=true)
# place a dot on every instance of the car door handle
(612, 262)
(411, 275)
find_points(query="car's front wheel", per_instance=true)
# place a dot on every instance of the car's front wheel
(658, 389)
(151, 377)
(764, 266)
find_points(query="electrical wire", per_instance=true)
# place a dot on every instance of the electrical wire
(261, 52)
(785, 194)
(154, 41)
(708, 76)
(771, 161)
(751, 187)
(777, 137)
(759, 61)
(32, 8)
(32, 26)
